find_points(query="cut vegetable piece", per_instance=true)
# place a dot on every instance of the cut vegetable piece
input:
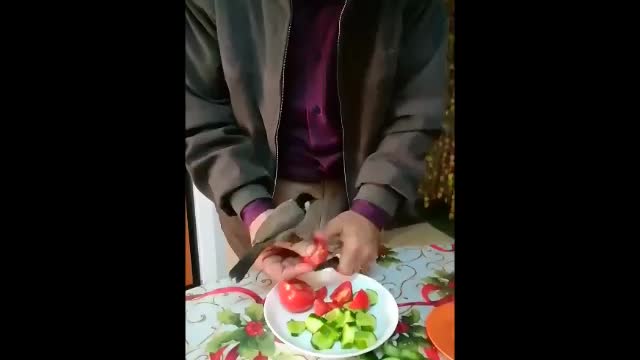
(321, 342)
(295, 295)
(320, 307)
(349, 317)
(296, 327)
(342, 294)
(364, 339)
(360, 301)
(314, 322)
(365, 321)
(321, 293)
(329, 332)
(324, 338)
(335, 317)
(373, 297)
(348, 336)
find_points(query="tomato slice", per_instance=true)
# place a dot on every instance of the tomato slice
(321, 293)
(296, 295)
(342, 294)
(320, 253)
(360, 301)
(320, 307)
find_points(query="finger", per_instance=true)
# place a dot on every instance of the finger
(290, 262)
(372, 256)
(367, 265)
(365, 257)
(333, 228)
(272, 266)
(349, 261)
(296, 270)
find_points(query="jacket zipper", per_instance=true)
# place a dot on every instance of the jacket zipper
(344, 164)
(284, 64)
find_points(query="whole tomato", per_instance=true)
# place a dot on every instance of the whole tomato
(296, 295)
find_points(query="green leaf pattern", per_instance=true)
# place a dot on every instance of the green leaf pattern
(255, 312)
(228, 317)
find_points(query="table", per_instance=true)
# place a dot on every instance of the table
(414, 253)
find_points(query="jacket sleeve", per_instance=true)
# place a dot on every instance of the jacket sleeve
(220, 156)
(392, 173)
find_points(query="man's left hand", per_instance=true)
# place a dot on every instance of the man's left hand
(360, 239)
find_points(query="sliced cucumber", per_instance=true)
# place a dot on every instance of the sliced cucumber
(373, 297)
(365, 321)
(324, 338)
(329, 332)
(364, 339)
(335, 317)
(348, 336)
(321, 342)
(314, 322)
(349, 317)
(296, 327)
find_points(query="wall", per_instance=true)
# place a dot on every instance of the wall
(214, 254)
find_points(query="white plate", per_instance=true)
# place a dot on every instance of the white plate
(385, 311)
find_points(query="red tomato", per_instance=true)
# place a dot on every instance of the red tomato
(332, 306)
(321, 293)
(320, 307)
(321, 252)
(360, 301)
(296, 295)
(342, 294)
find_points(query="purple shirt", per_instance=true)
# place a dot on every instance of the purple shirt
(310, 132)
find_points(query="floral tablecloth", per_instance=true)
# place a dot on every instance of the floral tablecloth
(224, 320)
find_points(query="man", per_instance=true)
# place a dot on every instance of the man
(340, 99)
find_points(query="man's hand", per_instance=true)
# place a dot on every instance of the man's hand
(360, 239)
(283, 260)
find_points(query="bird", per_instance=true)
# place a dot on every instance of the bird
(280, 225)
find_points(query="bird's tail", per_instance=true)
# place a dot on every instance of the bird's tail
(241, 269)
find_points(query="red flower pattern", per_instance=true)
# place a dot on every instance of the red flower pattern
(254, 329)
